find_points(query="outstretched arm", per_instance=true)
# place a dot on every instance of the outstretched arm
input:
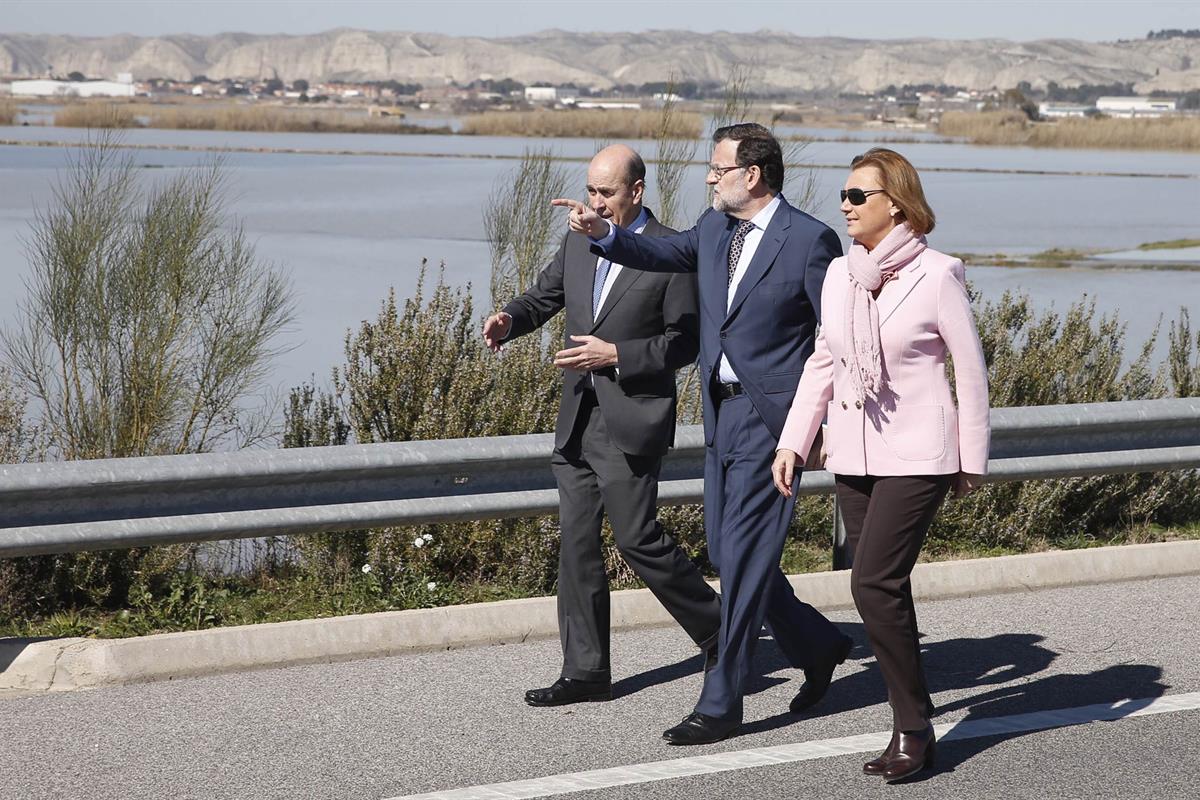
(674, 253)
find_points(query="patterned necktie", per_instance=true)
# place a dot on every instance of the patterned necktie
(735, 247)
(602, 269)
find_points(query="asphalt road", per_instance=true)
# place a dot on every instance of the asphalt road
(453, 720)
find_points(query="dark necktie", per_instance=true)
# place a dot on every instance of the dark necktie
(735, 247)
(602, 269)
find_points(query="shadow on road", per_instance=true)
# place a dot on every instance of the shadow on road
(1117, 691)
(990, 664)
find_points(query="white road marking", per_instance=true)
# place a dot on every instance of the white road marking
(567, 783)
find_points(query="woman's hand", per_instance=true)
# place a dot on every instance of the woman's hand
(783, 471)
(965, 483)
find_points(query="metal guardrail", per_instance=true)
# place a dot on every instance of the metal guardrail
(130, 502)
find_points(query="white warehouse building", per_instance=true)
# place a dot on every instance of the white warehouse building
(541, 94)
(122, 87)
(1136, 106)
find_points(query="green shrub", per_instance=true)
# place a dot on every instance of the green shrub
(420, 371)
(149, 323)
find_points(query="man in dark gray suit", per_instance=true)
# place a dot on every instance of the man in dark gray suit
(627, 331)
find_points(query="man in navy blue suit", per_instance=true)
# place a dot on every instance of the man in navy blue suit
(760, 265)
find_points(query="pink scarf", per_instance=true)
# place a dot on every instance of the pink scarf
(869, 271)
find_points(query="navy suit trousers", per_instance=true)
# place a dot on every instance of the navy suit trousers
(746, 521)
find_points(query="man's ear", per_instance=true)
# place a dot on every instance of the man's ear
(753, 176)
(637, 190)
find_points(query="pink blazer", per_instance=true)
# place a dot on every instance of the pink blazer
(913, 428)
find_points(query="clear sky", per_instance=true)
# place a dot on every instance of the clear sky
(1095, 20)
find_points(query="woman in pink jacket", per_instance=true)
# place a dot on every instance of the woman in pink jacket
(892, 310)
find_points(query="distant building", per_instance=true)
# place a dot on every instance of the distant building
(1136, 106)
(606, 104)
(541, 94)
(52, 88)
(1062, 110)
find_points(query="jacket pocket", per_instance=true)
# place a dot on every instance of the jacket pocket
(780, 382)
(916, 433)
(782, 292)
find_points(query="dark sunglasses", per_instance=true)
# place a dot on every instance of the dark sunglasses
(857, 196)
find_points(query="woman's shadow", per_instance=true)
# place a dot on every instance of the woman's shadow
(991, 664)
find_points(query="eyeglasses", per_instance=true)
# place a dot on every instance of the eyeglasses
(713, 169)
(858, 196)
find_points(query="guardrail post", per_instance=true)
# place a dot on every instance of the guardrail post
(842, 557)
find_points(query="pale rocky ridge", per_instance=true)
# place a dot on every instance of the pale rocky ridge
(778, 61)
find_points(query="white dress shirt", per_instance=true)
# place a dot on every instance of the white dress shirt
(637, 226)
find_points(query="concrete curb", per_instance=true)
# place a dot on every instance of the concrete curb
(57, 665)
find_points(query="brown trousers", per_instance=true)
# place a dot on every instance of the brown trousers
(886, 521)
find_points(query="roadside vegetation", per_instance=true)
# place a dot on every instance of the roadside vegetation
(8, 112)
(147, 329)
(419, 370)
(1015, 128)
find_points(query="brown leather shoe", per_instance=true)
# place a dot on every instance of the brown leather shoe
(876, 766)
(914, 752)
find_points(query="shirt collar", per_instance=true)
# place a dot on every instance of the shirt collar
(763, 218)
(639, 222)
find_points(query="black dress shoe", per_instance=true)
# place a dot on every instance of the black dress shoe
(569, 690)
(698, 728)
(876, 766)
(914, 752)
(817, 679)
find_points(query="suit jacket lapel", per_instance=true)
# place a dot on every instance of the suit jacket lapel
(714, 287)
(580, 274)
(905, 282)
(625, 278)
(768, 248)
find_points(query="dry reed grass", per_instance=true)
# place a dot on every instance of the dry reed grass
(1012, 128)
(268, 119)
(593, 123)
(275, 119)
(95, 115)
(8, 112)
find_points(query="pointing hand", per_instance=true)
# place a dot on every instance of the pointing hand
(583, 219)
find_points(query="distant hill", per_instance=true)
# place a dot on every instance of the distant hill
(780, 61)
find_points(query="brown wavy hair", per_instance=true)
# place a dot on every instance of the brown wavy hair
(899, 178)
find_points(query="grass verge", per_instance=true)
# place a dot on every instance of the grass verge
(197, 602)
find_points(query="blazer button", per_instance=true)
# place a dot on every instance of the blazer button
(844, 406)
(722, 334)
(857, 404)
